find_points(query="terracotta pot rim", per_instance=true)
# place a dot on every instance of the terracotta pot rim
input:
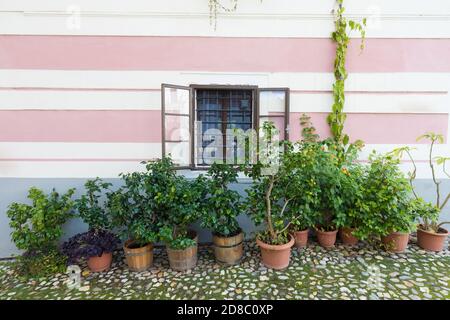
(301, 231)
(397, 233)
(327, 232)
(103, 253)
(436, 234)
(276, 247)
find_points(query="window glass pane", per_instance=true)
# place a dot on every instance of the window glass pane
(180, 152)
(219, 111)
(176, 128)
(176, 100)
(271, 102)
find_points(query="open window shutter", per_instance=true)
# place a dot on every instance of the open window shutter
(176, 123)
(274, 106)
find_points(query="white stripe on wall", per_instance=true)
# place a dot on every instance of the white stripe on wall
(111, 169)
(75, 160)
(74, 150)
(285, 18)
(382, 102)
(144, 80)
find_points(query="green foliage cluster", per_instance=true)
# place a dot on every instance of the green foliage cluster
(37, 227)
(385, 205)
(221, 204)
(90, 206)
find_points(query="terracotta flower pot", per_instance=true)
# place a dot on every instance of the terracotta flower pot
(185, 259)
(138, 258)
(326, 239)
(396, 242)
(276, 256)
(431, 241)
(99, 264)
(229, 250)
(347, 237)
(301, 238)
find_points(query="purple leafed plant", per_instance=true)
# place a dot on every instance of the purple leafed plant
(89, 244)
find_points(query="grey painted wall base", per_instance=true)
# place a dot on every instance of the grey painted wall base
(16, 190)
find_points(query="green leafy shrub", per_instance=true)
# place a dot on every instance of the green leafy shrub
(42, 263)
(221, 205)
(132, 210)
(385, 205)
(179, 206)
(91, 209)
(37, 229)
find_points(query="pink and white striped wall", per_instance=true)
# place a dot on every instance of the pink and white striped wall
(85, 101)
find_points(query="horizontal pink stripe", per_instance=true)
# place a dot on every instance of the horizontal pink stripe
(219, 54)
(145, 126)
(80, 126)
(378, 128)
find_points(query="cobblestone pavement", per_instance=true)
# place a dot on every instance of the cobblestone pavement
(360, 272)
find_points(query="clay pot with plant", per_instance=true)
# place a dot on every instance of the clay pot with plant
(386, 212)
(336, 190)
(305, 198)
(347, 219)
(268, 201)
(430, 233)
(134, 215)
(98, 243)
(222, 206)
(178, 206)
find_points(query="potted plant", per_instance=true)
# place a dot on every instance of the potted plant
(430, 233)
(178, 204)
(98, 243)
(133, 213)
(351, 192)
(386, 211)
(37, 227)
(268, 202)
(221, 209)
(301, 159)
(329, 176)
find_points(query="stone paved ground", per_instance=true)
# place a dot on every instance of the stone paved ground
(361, 272)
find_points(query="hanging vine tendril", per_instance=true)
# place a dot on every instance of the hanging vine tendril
(215, 6)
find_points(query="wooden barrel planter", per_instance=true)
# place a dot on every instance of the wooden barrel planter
(229, 250)
(182, 260)
(138, 258)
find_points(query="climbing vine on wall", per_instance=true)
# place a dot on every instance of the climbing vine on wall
(216, 5)
(336, 119)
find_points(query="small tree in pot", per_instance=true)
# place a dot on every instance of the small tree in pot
(268, 202)
(221, 209)
(430, 233)
(183, 204)
(385, 210)
(177, 202)
(97, 244)
(133, 214)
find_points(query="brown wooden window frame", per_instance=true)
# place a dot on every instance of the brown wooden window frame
(256, 93)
